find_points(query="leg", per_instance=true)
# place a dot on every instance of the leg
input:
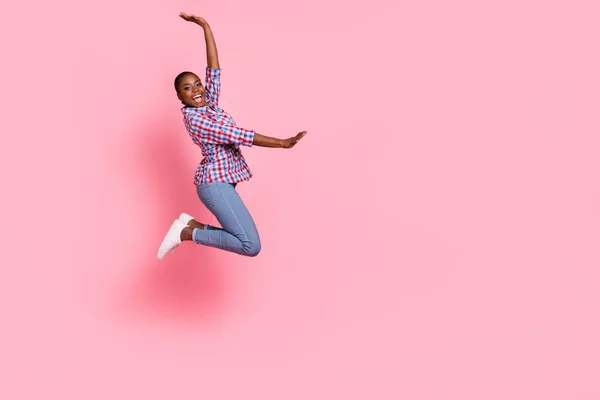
(239, 233)
(186, 233)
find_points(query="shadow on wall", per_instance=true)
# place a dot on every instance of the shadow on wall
(188, 285)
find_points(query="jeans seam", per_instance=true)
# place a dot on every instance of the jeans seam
(240, 225)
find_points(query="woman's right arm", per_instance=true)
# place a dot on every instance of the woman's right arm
(267, 141)
(209, 131)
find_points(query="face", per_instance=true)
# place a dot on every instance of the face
(191, 91)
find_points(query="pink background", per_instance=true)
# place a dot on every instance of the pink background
(434, 236)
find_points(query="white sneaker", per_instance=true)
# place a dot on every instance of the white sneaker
(185, 218)
(172, 239)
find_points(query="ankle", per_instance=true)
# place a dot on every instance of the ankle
(195, 224)
(186, 233)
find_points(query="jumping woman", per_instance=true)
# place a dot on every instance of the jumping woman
(223, 166)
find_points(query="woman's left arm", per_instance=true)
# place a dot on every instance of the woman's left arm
(212, 56)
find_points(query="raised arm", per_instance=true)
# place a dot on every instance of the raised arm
(212, 57)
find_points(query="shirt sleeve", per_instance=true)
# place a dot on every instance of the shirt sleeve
(213, 86)
(207, 130)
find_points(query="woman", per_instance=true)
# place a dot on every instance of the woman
(223, 165)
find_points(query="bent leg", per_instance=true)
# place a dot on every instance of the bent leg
(238, 233)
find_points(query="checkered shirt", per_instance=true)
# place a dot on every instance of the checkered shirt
(218, 136)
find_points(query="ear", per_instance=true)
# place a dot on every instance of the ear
(179, 96)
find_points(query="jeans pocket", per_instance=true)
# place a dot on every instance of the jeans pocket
(206, 195)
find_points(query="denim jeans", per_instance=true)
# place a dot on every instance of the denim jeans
(238, 233)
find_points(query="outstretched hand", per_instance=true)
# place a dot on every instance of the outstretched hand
(193, 18)
(291, 142)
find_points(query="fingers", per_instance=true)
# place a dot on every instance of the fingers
(291, 142)
(301, 135)
(185, 16)
(294, 140)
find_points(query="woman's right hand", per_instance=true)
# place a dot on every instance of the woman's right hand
(291, 142)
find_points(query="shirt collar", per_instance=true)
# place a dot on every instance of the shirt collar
(187, 109)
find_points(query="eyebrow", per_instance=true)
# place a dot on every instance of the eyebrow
(185, 84)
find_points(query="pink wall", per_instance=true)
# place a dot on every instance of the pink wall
(435, 235)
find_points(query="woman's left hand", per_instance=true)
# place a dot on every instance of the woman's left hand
(192, 18)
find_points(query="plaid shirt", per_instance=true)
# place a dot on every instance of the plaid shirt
(218, 136)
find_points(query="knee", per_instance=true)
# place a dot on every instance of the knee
(252, 248)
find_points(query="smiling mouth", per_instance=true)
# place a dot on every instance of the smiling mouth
(198, 97)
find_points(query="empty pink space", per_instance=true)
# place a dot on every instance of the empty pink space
(434, 236)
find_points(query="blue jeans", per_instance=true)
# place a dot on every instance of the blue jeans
(238, 233)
